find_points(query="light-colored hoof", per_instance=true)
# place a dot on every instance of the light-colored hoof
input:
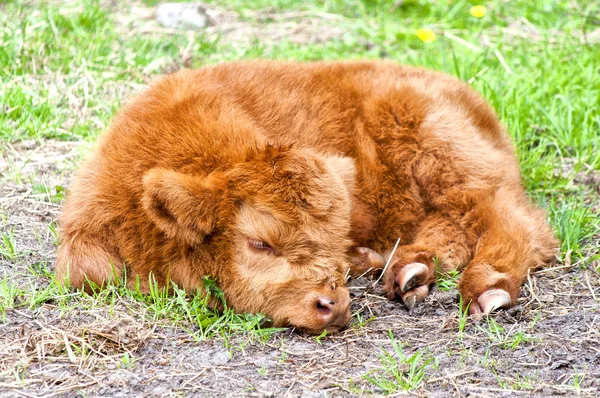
(474, 309)
(414, 296)
(493, 299)
(410, 301)
(374, 259)
(410, 275)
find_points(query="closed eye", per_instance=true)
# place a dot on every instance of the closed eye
(260, 245)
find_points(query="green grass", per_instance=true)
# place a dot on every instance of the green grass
(506, 339)
(9, 292)
(8, 246)
(574, 223)
(446, 280)
(517, 383)
(399, 371)
(463, 314)
(65, 68)
(192, 312)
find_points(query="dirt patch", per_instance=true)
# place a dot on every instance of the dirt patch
(264, 26)
(546, 345)
(567, 169)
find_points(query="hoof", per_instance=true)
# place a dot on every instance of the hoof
(493, 299)
(411, 275)
(489, 301)
(365, 261)
(374, 260)
(414, 296)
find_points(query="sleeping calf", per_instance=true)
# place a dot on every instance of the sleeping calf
(277, 179)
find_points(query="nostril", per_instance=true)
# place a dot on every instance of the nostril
(324, 306)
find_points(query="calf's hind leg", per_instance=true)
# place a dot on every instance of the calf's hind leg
(82, 259)
(498, 235)
(517, 239)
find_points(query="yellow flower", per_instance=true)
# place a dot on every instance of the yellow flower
(426, 35)
(478, 11)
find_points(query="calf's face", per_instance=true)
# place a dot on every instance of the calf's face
(278, 225)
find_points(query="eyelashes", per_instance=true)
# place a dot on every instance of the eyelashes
(260, 245)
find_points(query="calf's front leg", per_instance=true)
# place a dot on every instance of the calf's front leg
(437, 242)
(365, 262)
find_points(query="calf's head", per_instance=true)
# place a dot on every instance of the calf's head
(277, 226)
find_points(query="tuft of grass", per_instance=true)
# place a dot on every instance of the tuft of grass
(319, 339)
(194, 312)
(518, 383)
(9, 292)
(362, 322)
(8, 245)
(446, 280)
(400, 372)
(127, 361)
(53, 231)
(508, 340)
(48, 194)
(577, 380)
(264, 372)
(574, 222)
(463, 315)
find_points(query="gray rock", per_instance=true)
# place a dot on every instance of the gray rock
(182, 15)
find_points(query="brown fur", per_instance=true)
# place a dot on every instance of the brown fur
(314, 159)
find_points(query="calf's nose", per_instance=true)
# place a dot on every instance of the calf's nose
(334, 312)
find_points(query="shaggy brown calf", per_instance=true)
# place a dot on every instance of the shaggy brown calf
(274, 178)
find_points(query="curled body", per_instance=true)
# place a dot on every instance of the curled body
(279, 178)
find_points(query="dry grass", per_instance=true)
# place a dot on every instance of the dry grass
(62, 355)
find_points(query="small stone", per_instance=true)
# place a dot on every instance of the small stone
(547, 298)
(182, 16)
(29, 144)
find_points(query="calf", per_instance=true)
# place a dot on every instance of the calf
(277, 178)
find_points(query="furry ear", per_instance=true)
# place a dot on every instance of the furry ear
(183, 206)
(344, 167)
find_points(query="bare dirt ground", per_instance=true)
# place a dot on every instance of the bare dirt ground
(548, 345)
